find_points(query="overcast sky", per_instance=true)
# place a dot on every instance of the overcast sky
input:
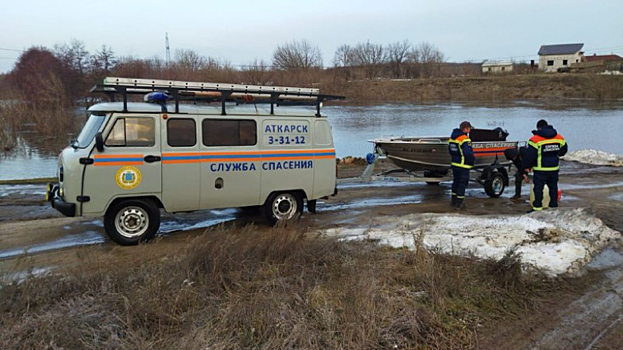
(240, 31)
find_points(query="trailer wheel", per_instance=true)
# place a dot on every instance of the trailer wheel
(495, 184)
(283, 206)
(131, 221)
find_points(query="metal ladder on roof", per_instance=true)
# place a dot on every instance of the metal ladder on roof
(181, 90)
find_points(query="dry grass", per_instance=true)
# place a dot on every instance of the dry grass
(490, 88)
(277, 290)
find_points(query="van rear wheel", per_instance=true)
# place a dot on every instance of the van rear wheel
(131, 221)
(283, 206)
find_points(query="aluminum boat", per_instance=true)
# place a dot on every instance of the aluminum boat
(430, 154)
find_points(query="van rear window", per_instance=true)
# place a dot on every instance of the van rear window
(219, 132)
(181, 132)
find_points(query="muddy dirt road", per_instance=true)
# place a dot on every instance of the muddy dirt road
(34, 239)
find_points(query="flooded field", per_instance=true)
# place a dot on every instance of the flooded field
(585, 126)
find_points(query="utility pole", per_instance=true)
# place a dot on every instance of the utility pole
(166, 40)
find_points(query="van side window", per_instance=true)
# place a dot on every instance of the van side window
(181, 132)
(322, 134)
(219, 132)
(132, 132)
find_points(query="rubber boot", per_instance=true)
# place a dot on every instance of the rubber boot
(459, 204)
(453, 202)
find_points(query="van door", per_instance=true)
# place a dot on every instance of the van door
(181, 164)
(230, 167)
(129, 165)
(324, 170)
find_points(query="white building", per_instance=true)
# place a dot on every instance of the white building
(553, 57)
(490, 66)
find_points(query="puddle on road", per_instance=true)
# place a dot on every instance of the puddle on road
(196, 220)
(92, 232)
(617, 197)
(606, 259)
(377, 184)
(371, 202)
(22, 190)
(74, 240)
(589, 187)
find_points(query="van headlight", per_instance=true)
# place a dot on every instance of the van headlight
(61, 192)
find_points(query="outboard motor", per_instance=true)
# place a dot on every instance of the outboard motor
(502, 134)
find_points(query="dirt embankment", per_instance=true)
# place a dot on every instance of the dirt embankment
(488, 88)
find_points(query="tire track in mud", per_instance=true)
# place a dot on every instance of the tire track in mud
(588, 319)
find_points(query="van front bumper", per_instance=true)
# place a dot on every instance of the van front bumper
(58, 203)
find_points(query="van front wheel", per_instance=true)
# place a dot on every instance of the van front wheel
(283, 206)
(132, 221)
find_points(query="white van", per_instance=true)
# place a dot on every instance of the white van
(249, 147)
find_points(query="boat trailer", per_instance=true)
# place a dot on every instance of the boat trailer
(494, 177)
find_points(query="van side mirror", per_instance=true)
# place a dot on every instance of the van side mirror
(99, 142)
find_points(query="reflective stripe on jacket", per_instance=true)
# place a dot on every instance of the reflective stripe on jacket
(546, 152)
(460, 148)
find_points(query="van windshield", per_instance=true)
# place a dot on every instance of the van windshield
(89, 130)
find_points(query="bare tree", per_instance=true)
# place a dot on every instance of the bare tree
(296, 54)
(370, 57)
(103, 60)
(73, 55)
(343, 56)
(427, 59)
(189, 61)
(256, 72)
(397, 54)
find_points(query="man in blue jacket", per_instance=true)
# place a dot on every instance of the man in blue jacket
(543, 156)
(460, 147)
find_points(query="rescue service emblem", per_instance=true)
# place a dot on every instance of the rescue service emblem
(128, 177)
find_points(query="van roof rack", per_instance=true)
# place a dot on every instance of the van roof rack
(240, 93)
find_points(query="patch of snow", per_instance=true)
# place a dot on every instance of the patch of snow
(553, 241)
(594, 157)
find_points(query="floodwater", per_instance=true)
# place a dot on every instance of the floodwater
(583, 124)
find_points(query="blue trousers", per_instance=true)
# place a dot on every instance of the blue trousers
(460, 181)
(540, 179)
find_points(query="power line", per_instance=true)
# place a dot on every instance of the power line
(5, 49)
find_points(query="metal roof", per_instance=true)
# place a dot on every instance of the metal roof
(491, 63)
(561, 49)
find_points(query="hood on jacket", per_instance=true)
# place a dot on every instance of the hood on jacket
(457, 132)
(547, 132)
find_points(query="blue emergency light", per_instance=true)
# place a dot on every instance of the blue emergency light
(158, 97)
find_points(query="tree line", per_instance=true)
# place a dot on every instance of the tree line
(65, 72)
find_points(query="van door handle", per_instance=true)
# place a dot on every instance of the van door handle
(151, 159)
